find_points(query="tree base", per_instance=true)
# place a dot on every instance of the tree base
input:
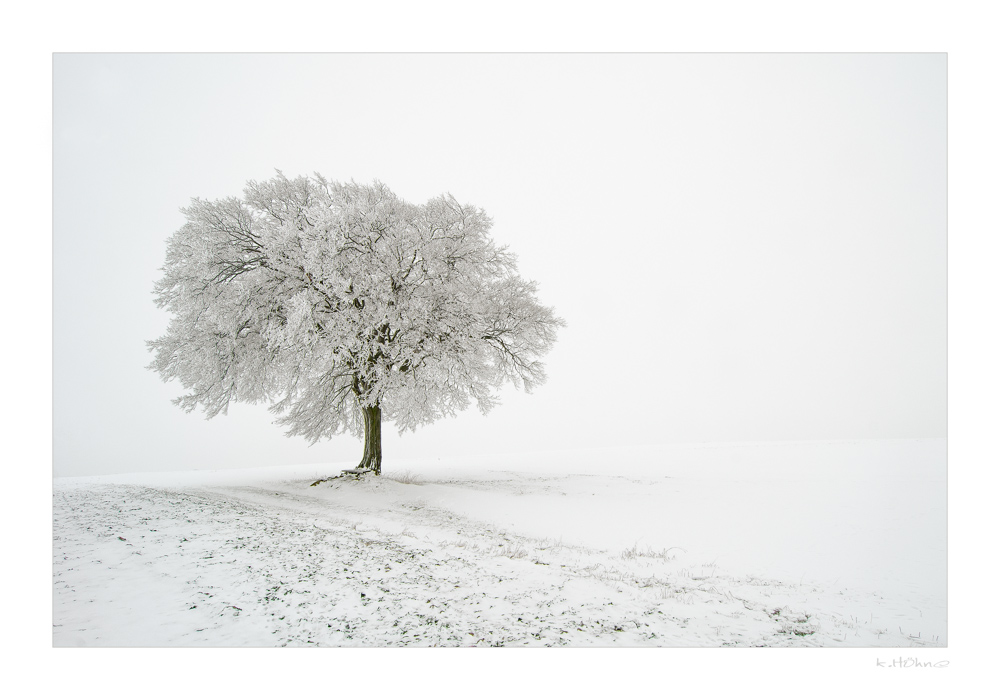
(371, 462)
(356, 473)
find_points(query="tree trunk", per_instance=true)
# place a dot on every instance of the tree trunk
(372, 459)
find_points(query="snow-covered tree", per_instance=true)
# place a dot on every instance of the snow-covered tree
(341, 305)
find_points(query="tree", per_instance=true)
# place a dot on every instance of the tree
(341, 305)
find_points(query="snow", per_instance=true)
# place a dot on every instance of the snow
(828, 544)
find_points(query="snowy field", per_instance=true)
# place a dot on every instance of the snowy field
(834, 544)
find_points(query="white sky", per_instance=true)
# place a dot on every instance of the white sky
(744, 246)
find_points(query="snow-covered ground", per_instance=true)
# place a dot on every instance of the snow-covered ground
(778, 544)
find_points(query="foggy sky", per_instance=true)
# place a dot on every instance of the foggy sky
(744, 246)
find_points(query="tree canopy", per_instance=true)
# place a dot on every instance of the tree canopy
(340, 304)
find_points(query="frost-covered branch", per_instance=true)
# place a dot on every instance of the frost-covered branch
(324, 299)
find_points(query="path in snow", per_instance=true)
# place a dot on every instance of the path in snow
(371, 563)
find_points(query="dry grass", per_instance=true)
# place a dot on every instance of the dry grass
(404, 477)
(665, 554)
